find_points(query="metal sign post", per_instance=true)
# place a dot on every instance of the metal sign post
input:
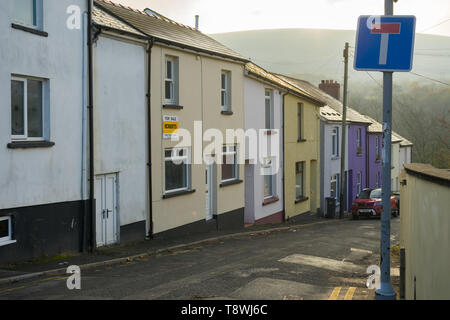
(385, 43)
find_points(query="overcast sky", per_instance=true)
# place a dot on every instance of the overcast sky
(218, 16)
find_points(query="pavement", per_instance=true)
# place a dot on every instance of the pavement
(313, 259)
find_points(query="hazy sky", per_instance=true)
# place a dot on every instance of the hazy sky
(234, 15)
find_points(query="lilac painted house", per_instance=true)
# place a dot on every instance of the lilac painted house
(373, 150)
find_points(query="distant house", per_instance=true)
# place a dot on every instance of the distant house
(374, 152)
(264, 196)
(301, 150)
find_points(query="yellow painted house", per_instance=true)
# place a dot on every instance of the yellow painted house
(302, 151)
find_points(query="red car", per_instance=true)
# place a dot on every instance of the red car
(369, 203)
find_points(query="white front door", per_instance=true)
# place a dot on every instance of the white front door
(107, 229)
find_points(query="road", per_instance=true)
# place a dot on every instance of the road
(326, 261)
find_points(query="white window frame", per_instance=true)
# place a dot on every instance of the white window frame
(335, 142)
(25, 137)
(335, 179)
(378, 178)
(226, 106)
(358, 137)
(358, 182)
(8, 239)
(377, 146)
(268, 96)
(231, 150)
(172, 80)
(185, 159)
(267, 166)
(303, 164)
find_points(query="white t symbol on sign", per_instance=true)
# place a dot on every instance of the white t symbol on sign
(385, 29)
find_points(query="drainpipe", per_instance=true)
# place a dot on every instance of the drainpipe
(91, 128)
(149, 119)
(367, 161)
(84, 136)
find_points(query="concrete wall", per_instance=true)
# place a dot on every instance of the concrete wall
(199, 94)
(254, 92)
(424, 233)
(121, 144)
(307, 151)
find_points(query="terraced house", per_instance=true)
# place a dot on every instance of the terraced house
(194, 83)
(301, 150)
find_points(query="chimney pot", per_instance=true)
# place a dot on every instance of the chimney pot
(197, 18)
(331, 87)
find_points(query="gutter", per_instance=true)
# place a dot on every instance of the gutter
(149, 119)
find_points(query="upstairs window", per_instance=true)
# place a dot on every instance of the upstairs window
(268, 109)
(27, 109)
(358, 141)
(25, 12)
(225, 91)
(171, 80)
(335, 142)
(300, 122)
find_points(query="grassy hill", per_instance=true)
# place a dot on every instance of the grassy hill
(316, 54)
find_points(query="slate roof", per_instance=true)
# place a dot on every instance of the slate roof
(330, 114)
(259, 72)
(101, 18)
(352, 115)
(167, 31)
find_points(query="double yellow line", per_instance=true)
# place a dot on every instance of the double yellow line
(337, 290)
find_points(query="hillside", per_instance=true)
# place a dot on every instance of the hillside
(316, 54)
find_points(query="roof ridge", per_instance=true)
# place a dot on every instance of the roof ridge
(159, 17)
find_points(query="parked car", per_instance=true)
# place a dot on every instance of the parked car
(369, 203)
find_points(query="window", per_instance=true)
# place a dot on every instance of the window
(335, 142)
(377, 147)
(269, 183)
(268, 109)
(5, 230)
(358, 182)
(300, 121)
(358, 141)
(25, 12)
(334, 186)
(230, 168)
(299, 178)
(177, 167)
(27, 109)
(171, 81)
(225, 91)
(378, 178)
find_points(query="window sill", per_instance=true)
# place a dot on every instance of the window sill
(5, 243)
(270, 132)
(30, 144)
(29, 29)
(302, 199)
(301, 140)
(177, 193)
(230, 183)
(227, 113)
(172, 106)
(335, 158)
(359, 154)
(270, 200)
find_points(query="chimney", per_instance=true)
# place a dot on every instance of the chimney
(196, 21)
(333, 88)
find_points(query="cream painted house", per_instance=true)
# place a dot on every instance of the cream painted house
(196, 84)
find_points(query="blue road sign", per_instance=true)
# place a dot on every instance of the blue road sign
(385, 43)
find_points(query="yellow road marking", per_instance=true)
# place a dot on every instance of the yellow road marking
(349, 294)
(335, 293)
(13, 289)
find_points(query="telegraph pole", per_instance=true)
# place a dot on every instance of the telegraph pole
(386, 291)
(344, 135)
